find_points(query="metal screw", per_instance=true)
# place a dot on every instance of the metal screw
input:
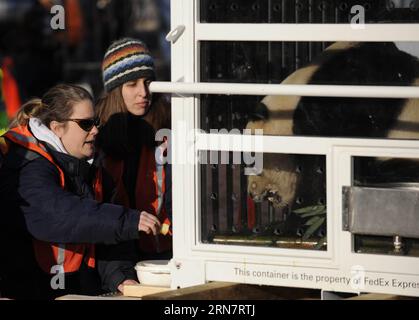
(398, 244)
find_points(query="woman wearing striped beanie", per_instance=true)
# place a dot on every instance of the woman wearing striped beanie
(129, 116)
(126, 60)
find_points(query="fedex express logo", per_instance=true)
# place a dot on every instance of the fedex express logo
(359, 280)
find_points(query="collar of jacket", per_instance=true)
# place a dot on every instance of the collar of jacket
(71, 166)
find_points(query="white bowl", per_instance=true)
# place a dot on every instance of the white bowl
(154, 273)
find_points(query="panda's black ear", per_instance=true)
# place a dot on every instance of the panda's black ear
(261, 112)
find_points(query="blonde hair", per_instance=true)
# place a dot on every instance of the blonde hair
(55, 105)
(30, 109)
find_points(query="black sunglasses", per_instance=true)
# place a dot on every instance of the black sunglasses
(86, 124)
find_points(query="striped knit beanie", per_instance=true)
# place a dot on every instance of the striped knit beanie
(126, 60)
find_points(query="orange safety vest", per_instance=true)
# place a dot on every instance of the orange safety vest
(150, 191)
(48, 255)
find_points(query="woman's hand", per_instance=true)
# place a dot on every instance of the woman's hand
(149, 223)
(126, 283)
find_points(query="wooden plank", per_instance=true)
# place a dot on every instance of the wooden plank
(82, 297)
(139, 290)
(234, 291)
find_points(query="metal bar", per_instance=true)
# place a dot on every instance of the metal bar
(271, 213)
(286, 90)
(324, 19)
(297, 51)
(257, 218)
(336, 12)
(283, 12)
(306, 32)
(236, 193)
(310, 20)
(204, 200)
(215, 192)
(222, 191)
(283, 58)
(299, 145)
(243, 200)
(229, 193)
(268, 241)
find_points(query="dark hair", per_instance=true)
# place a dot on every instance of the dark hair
(159, 115)
(122, 132)
(55, 105)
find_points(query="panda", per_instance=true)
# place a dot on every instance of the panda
(342, 63)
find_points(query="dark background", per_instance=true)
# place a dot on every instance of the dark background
(41, 57)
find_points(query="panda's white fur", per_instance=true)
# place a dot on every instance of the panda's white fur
(407, 125)
(280, 177)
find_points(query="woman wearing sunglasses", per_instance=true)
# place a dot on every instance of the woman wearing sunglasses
(130, 116)
(51, 211)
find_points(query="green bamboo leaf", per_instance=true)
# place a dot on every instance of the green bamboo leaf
(308, 209)
(312, 220)
(313, 228)
(314, 213)
(319, 244)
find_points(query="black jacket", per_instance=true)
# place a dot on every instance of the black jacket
(33, 204)
(127, 147)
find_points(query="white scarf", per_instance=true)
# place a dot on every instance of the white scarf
(42, 133)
